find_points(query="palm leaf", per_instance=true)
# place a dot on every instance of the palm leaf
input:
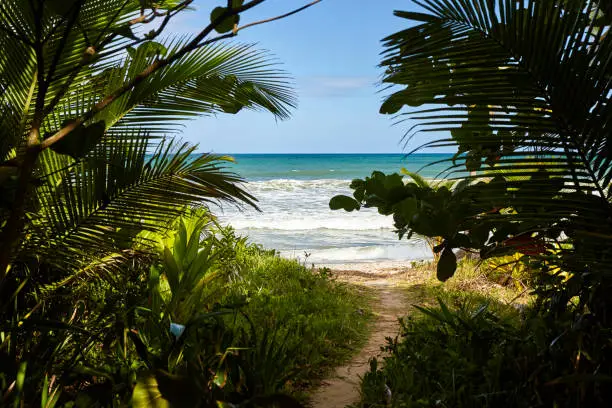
(216, 78)
(524, 89)
(117, 192)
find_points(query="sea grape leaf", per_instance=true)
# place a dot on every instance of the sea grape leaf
(392, 105)
(342, 202)
(407, 208)
(447, 265)
(231, 108)
(227, 24)
(149, 49)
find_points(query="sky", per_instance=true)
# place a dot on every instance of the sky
(332, 50)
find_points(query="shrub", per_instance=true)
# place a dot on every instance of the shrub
(208, 318)
(472, 356)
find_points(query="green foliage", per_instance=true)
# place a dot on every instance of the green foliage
(318, 320)
(104, 299)
(523, 89)
(226, 23)
(99, 184)
(206, 318)
(447, 265)
(471, 356)
(539, 129)
(81, 140)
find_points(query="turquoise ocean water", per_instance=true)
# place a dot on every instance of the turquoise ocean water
(294, 191)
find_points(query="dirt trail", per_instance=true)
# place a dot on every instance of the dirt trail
(391, 302)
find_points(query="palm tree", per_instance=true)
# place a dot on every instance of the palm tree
(88, 110)
(90, 105)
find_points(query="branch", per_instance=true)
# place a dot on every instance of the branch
(161, 63)
(237, 29)
(86, 59)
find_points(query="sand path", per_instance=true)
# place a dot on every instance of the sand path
(390, 303)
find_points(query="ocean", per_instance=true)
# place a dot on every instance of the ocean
(294, 192)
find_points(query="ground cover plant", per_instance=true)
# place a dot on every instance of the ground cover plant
(458, 355)
(206, 317)
(320, 322)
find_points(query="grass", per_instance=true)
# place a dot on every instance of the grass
(457, 345)
(317, 322)
(473, 280)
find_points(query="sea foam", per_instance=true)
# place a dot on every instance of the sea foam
(295, 219)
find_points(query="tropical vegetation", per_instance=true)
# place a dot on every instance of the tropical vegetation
(523, 90)
(117, 288)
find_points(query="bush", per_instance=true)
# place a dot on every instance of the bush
(473, 357)
(206, 319)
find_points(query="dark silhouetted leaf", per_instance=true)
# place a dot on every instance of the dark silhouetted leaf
(342, 202)
(227, 24)
(80, 141)
(447, 265)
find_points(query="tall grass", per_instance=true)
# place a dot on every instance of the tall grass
(319, 322)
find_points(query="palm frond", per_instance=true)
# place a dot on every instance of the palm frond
(524, 89)
(117, 191)
(212, 79)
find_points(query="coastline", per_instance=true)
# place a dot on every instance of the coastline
(382, 268)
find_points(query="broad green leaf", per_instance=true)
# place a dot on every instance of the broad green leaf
(203, 256)
(407, 208)
(147, 395)
(447, 265)
(180, 244)
(21, 376)
(227, 24)
(125, 31)
(231, 108)
(392, 105)
(80, 141)
(342, 202)
(172, 271)
(150, 49)
(164, 390)
(417, 178)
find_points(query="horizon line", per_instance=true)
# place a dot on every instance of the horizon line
(363, 154)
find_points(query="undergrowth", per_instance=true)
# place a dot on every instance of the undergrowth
(204, 319)
(473, 343)
(319, 322)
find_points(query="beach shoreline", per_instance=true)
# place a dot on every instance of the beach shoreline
(374, 267)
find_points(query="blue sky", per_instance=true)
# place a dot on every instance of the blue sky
(332, 50)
